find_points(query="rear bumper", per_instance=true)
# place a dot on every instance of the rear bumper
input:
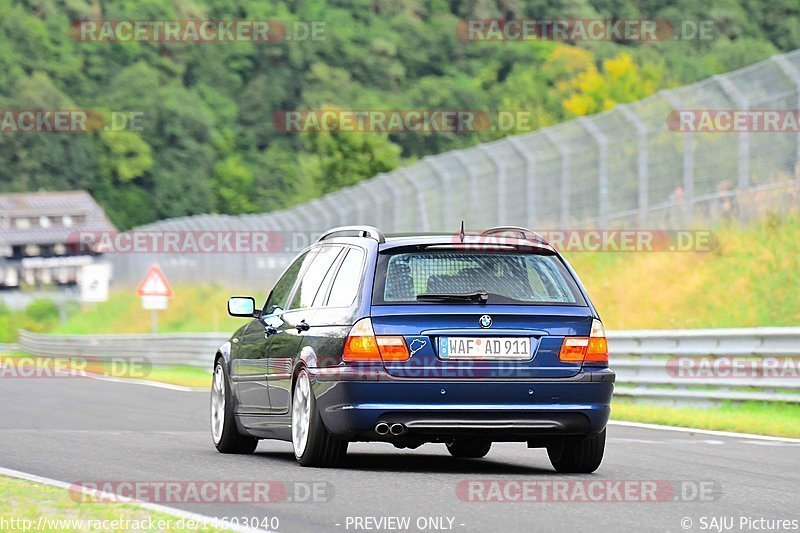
(351, 406)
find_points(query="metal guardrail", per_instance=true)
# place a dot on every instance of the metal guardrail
(648, 363)
(8, 348)
(701, 365)
(195, 349)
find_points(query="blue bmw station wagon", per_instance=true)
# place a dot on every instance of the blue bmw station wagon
(464, 339)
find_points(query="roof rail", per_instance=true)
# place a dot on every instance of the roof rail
(525, 233)
(370, 232)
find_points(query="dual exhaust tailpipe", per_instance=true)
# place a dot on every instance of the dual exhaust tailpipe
(382, 428)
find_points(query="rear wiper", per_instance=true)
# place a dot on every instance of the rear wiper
(479, 297)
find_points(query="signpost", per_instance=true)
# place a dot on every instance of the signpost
(155, 293)
(94, 281)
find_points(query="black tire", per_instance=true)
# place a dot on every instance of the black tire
(322, 449)
(469, 449)
(578, 455)
(231, 440)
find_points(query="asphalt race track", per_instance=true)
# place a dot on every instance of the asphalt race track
(78, 429)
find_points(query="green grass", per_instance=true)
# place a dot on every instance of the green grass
(776, 419)
(25, 500)
(193, 309)
(188, 376)
(751, 279)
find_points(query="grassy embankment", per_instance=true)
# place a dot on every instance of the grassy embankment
(27, 501)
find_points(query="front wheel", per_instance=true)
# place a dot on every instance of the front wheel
(226, 436)
(313, 444)
(579, 455)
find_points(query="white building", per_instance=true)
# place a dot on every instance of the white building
(37, 230)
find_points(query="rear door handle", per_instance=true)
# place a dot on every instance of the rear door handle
(303, 326)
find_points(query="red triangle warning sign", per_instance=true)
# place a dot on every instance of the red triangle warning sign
(155, 284)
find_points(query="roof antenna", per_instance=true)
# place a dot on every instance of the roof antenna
(461, 233)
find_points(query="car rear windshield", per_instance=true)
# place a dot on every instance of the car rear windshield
(451, 276)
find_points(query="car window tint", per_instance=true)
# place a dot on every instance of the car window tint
(313, 277)
(348, 280)
(510, 278)
(280, 293)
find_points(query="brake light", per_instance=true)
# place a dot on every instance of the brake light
(591, 349)
(597, 351)
(363, 345)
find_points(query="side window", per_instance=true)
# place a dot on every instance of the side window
(314, 274)
(348, 280)
(280, 293)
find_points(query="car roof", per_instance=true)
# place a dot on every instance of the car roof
(493, 239)
(470, 241)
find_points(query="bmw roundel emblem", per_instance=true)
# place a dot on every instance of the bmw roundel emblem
(485, 321)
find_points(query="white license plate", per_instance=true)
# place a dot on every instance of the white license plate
(485, 347)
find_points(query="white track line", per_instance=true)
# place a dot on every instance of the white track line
(703, 431)
(146, 505)
(145, 382)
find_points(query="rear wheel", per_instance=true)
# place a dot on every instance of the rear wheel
(226, 436)
(581, 454)
(469, 449)
(313, 444)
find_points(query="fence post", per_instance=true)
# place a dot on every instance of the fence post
(500, 172)
(302, 213)
(530, 180)
(396, 208)
(473, 181)
(422, 219)
(324, 221)
(565, 185)
(602, 169)
(688, 154)
(445, 178)
(336, 200)
(793, 74)
(327, 202)
(742, 102)
(367, 190)
(355, 201)
(641, 170)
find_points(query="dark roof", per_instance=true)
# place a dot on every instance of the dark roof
(54, 204)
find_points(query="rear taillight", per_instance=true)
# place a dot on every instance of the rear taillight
(591, 349)
(363, 345)
(597, 351)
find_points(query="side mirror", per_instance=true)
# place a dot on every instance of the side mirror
(242, 306)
